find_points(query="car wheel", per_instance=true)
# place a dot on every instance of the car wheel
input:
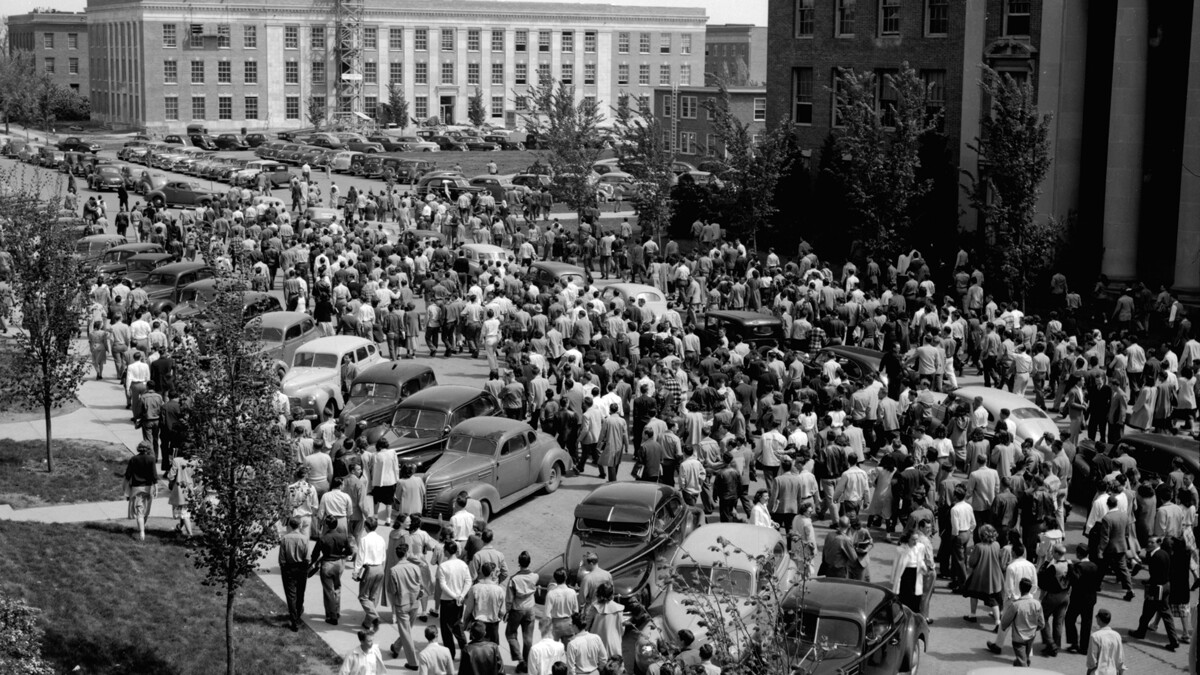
(159, 203)
(914, 657)
(485, 510)
(554, 480)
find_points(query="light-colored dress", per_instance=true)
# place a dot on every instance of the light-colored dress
(881, 495)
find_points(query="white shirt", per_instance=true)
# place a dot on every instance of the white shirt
(372, 550)
(358, 662)
(463, 525)
(137, 371)
(454, 578)
(544, 654)
(1017, 570)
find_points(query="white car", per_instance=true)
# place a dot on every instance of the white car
(1032, 422)
(418, 144)
(314, 381)
(655, 301)
(340, 161)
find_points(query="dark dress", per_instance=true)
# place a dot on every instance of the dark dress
(986, 579)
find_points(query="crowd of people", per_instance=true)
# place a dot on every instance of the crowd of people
(618, 385)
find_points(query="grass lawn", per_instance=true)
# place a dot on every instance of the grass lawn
(83, 472)
(114, 606)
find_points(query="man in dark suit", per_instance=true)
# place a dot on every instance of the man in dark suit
(1083, 600)
(162, 372)
(1154, 605)
(1108, 545)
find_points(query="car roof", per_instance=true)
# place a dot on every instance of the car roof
(139, 246)
(282, 319)
(102, 237)
(871, 356)
(181, 267)
(634, 289)
(997, 397)
(442, 397)
(845, 598)
(148, 255)
(559, 267)
(747, 318)
(335, 343)
(391, 371)
(1176, 446)
(753, 539)
(623, 502)
(490, 427)
(486, 248)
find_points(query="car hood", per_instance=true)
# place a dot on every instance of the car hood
(453, 465)
(676, 616)
(363, 408)
(1035, 428)
(300, 379)
(620, 555)
(156, 292)
(186, 310)
(112, 268)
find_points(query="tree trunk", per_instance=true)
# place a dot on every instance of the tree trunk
(49, 454)
(230, 668)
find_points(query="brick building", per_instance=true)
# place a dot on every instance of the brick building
(732, 49)
(59, 43)
(166, 63)
(693, 137)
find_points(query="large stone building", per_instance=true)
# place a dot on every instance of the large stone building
(59, 43)
(162, 64)
(1125, 174)
(682, 110)
(736, 52)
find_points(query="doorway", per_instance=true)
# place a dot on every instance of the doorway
(447, 109)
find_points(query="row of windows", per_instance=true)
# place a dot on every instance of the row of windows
(803, 93)
(690, 105)
(664, 74)
(196, 33)
(72, 40)
(224, 107)
(936, 17)
(51, 67)
(644, 43)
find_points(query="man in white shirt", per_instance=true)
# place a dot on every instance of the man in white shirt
(462, 523)
(562, 602)
(1018, 569)
(137, 374)
(369, 571)
(365, 659)
(962, 526)
(453, 582)
(852, 487)
(548, 651)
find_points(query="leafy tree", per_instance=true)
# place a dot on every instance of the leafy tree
(315, 111)
(49, 287)
(879, 150)
(20, 639)
(395, 111)
(570, 131)
(17, 69)
(476, 109)
(243, 465)
(643, 154)
(755, 168)
(1014, 153)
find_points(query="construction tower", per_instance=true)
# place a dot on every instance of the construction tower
(349, 54)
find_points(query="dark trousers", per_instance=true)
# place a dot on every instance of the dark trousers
(150, 432)
(1116, 563)
(1021, 653)
(295, 579)
(522, 620)
(1083, 613)
(668, 473)
(587, 451)
(726, 506)
(1054, 609)
(989, 371)
(331, 588)
(1154, 604)
(450, 619)
(958, 556)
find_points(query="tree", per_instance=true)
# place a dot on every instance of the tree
(1014, 156)
(20, 639)
(476, 109)
(570, 131)
(315, 111)
(243, 463)
(395, 111)
(643, 154)
(879, 150)
(49, 287)
(754, 168)
(16, 71)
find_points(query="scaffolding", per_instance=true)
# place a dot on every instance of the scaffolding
(348, 54)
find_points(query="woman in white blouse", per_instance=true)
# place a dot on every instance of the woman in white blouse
(760, 514)
(908, 573)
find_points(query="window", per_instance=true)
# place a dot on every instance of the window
(886, 98)
(664, 43)
(474, 40)
(371, 106)
(937, 17)
(687, 142)
(567, 73)
(521, 75)
(447, 39)
(198, 112)
(1016, 17)
(371, 72)
(421, 39)
(760, 110)
(196, 36)
(589, 101)
(317, 34)
(251, 107)
(889, 18)
(170, 72)
(664, 74)
(543, 73)
(568, 42)
(421, 73)
(225, 107)
(170, 39)
(710, 145)
(291, 37)
(644, 43)
(497, 40)
(497, 106)
(224, 72)
(668, 108)
(589, 42)
(421, 107)
(644, 74)
(685, 74)
(223, 36)
(622, 43)
(589, 73)
(804, 18)
(473, 73)
(668, 140)
(72, 40)
(623, 73)
(370, 38)
(197, 72)
(543, 41)
(802, 95)
(643, 102)
(250, 38)
(845, 18)
(395, 39)
(521, 40)
(498, 73)
(935, 93)
(685, 43)
(171, 108)
(687, 107)
(291, 73)
(318, 72)
(837, 105)
(521, 103)
(395, 73)
(48, 40)
(291, 108)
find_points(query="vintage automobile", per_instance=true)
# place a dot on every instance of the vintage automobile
(753, 328)
(149, 182)
(107, 177)
(532, 181)
(322, 216)
(255, 140)
(377, 391)
(496, 460)
(196, 296)
(449, 143)
(654, 302)
(277, 171)
(76, 144)
(844, 626)
(112, 264)
(498, 186)
(1031, 421)
(723, 558)
(137, 267)
(420, 424)
(445, 185)
(232, 142)
(634, 529)
(388, 143)
(505, 142)
(479, 144)
(546, 273)
(314, 382)
(1155, 455)
(408, 170)
(359, 143)
(164, 284)
(859, 364)
(418, 144)
(180, 193)
(92, 247)
(280, 334)
(480, 255)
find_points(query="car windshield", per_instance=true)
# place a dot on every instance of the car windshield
(268, 334)
(1028, 414)
(700, 578)
(157, 278)
(314, 360)
(83, 246)
(374, 390)
(114, 256)
(417, 423)
(826, 631)
(614, 528)
(472, 445)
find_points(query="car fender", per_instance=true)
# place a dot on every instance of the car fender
(553, 456)
(546, 577)
(484, 492)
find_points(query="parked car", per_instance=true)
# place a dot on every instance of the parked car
(196, 296)
(483, 255)
(138, 267)
(203, 141)
(231, 142)
(444, 184)
(653, 301)
(533, 181)
(420, 424)
(378, 390)
(50, 157)
(505, 142)
(478, 144)
(78, 144)
(860, 364)
(546, 274)
(411, 170)
(164, 284)
(496, 460)
(281, 334)
(359, 143)
(1155, 455)
(634, 529)
(93, 247)
(255, 140)
(845, 626)
(388, 143)
(173, 139)
(314, 382)
(754, 328)
(149, 182)
(324, 140)
(498, 186)
(277, 171)
(180, 193)
(13, 147)
(322, 216)
(112, 264)
(448, 143)
(418, 144)
(340, 161)
(1031, 421)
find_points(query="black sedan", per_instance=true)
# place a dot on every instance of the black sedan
(375, 393)
(474, 143)
(421, 424)
(858, 363)
(505, 142)
(1155, 454)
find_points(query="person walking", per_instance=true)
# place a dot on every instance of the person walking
(614, 441)
(404, 585)
(908, 572)
(452, 583)
(1055, 581)
(519, 600)
(365, 659)
(99, 344)
(986, 579)
(1086, 586)
(369, 572)
(1025, 617)
(330, 554)
(1155, 600)
(141, 486)
(179, 482)
(481, 656)
(1106, 653)
(293, 568)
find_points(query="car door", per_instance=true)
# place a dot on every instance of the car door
(883, 651)
(513, 464)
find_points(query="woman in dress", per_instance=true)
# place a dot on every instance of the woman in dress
(804, 540)
(908, 572)
(98, 344)
(179, 479)
(880, 510)
(986, 580)
(141, 485)
(863, 542)
(604, 617)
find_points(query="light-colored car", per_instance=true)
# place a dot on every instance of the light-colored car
(418, 144)
(653, 300)
(322, 216)
(314, 381)
(616, 186)
(483, 255)
(340, 161)
(1032, 421)
(281, 334)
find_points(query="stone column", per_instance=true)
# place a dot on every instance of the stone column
(1126, 137)
(1187, 239)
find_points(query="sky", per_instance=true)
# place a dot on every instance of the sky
(719, 11)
